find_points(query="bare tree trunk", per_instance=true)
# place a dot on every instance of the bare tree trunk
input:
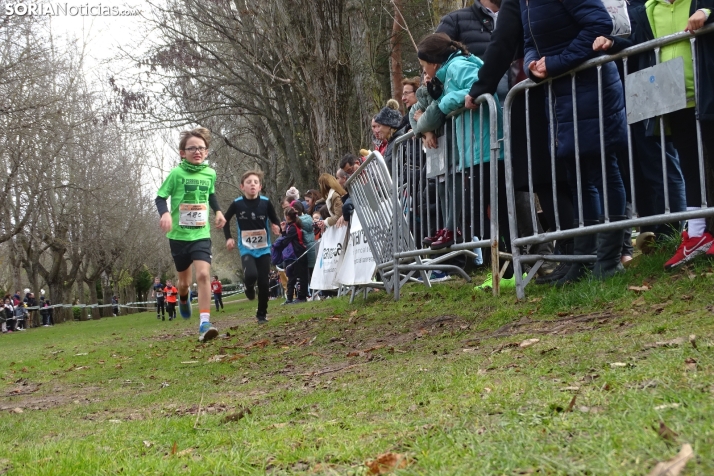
(395, 58)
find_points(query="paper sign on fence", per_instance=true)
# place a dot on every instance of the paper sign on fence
(358, 264)
(329, 257)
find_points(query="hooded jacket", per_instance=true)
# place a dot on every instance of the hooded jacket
(458, 74)
(471, 26)
(563, 32)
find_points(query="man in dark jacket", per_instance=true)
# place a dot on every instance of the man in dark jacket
(504, 56)
(472, 25)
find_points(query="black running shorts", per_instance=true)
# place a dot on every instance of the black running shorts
(186, 252)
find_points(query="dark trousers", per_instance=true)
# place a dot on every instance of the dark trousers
(683, 125)
(218, 300)
(257, 271)
(297, 270)
(171, 309)
(160, 307)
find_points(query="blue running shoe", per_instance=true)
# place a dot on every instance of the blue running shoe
(185, 308)
(206, 332)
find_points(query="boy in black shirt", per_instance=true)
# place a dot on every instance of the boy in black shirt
(157, 291)
(254, 215)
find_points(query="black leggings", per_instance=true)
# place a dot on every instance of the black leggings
(298, 269)
(160, 306)
(171, 309)
(257, 270)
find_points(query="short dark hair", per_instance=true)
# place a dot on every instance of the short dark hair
(348, 159)
(298, 206)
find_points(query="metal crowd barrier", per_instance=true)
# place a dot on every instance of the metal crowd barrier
(370, 188)
(414, 167)
(581, 230)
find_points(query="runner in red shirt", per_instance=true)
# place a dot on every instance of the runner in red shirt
(217, 289)
(171, 292)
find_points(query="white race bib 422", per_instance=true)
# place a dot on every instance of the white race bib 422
(254, 239)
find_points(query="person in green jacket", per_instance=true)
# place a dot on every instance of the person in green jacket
(656, 19)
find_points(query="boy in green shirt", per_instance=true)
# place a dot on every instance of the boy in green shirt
(191, 187)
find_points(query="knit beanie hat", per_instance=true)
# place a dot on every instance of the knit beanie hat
(389, 115)
(292, 193)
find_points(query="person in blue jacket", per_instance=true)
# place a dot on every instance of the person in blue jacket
(452, 71)
(559, 35)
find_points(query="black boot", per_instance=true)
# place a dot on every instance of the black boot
(582, 245)
(609, 251)
(566, 248)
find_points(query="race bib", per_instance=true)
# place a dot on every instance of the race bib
(193, 214)
(254, 239)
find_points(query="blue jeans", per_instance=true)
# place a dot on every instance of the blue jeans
(592, 186)
(649, 184)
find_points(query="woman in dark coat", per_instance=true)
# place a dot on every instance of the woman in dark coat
(559, 35)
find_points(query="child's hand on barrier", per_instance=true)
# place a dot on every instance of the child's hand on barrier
(469, 103)
(602, 43)
(165, 223)
(696, 21)
(230, 244)
(430, 141)
(418, 114)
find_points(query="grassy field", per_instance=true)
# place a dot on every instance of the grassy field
(445, 381)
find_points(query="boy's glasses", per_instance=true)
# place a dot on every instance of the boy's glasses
(191, 150)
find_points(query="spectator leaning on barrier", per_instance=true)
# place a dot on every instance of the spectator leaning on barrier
(330, 188)
(389, 120)
(347, 205)
(655, 19)
(308, 233)
(504, 57)
(559, 37)
(453, 70)
(409, 89)
(349, 163)
(292, 247)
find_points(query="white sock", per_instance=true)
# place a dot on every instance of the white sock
(696, 226)
(205, 317)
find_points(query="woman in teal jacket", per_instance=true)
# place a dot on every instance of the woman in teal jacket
(452, 71)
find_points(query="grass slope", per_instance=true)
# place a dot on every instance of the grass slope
(438, 377)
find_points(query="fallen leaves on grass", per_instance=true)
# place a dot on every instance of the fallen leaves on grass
(639, 289)
(571, 404)
(674, 466)
(359, 353)
(260, 344)
(386, 463)
(236, 416)
(666, 433)
(667, 343)
(528, 343)
(148, 444)
(667, 405)
(616, 365)
(690, 365)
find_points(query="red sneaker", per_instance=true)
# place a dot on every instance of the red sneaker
(431, 239)
(446, 240)
(690, 248)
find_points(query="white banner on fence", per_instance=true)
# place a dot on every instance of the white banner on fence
(329, 257)
(358, 263)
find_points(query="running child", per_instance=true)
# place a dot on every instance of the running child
(171, 295)
(255, 218)
(157, 291)
(217, 289)
(191, 187)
